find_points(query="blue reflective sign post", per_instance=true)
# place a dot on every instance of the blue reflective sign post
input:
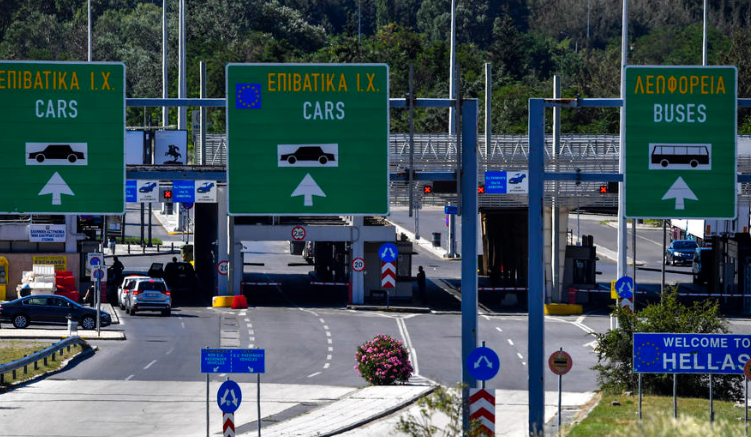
(483, 363)
(691, 353)
(388, 252)
(229, 396)
(625, 287)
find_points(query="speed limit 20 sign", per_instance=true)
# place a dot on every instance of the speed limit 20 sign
(222, 267)
(298, 233)
(358, 264)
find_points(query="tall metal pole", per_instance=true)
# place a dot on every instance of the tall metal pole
(704, 39)
(633, 253)
(675, 396)
(664, 244)
(88, 3)
(182, 112)
(488, 108)
(452, 69)
(535, 271)
(469, 246)
(411, 105)
(165, 110)
(555, 209)
(359, 20)
(203, 114)
(622, 225)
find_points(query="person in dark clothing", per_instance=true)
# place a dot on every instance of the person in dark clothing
(421, 284)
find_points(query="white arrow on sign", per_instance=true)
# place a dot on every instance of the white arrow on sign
(487, 362)
(308, 188)
(57, 187)
(679, 191)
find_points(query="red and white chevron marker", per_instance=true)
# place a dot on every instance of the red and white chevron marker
(388, 275)
(228, 424)
(482, 409)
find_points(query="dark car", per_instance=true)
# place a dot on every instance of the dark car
(147, 188)
(50, 309)
(517, 179)
(206, 187)
(180, 278)
(680, 252)
(308, 153)
(57, 151)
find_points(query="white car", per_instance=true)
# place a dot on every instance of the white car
(123, 289)
(149, 294)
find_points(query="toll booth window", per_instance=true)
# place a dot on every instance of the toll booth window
(403, 265)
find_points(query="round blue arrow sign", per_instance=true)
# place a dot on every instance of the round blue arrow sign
(229, 396)
(388, 252)
(625, 287)
(483, 363)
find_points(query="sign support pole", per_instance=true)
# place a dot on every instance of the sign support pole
(98, 298)
(745, 395)
(560, 387)
(640, 399)
(258, 400)
(207, 403)
(675, 398)
(711, 401)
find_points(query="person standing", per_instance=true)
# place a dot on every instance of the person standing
(421, 285)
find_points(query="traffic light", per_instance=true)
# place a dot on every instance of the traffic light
(427, 189)
(165, 195)
(610, 188)
(481, 189)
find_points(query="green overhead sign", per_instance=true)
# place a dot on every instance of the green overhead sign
(308, 139)
(63, 127)
(680, 145)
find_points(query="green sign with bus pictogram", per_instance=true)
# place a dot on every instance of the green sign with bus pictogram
(308, 139)
(63, 126)
(680, 141)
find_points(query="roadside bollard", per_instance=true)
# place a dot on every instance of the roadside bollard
(71, 325)
(128, 248)
(172, 248)
(157, 248)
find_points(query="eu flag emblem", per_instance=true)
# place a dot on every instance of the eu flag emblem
(248, 96)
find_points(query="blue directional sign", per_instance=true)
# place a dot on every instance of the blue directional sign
(451, 209)
(184, 191)
(625, 287)
(233, 361)
(495, 182)
(483, 363)
(131, 190)
(229, 396)
(388, 252)
(691, 353)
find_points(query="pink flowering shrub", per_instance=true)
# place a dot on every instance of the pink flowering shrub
(383, 361)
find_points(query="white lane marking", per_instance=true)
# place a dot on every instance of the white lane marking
(592, 344)
(322, 321)
(325, 327)
(578, 323)
(251, 332)
(328, 357)
(169, 351)
(149, 365)
(242, 313)
(331, 349)
(524, 363)
(510, 342)
(408, 344)
(250, 346)
(519, 355)
(314, 374)
(330, 342)
(246, 319)
(499, 329)
(326, 366)
(128, 378)
(251, 339)
(486, 317)
(328, 334)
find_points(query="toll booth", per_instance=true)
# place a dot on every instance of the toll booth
(580, 265)
(374, 291)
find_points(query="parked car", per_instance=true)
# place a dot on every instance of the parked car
(149, 294)
(126, 287)
(308, 153)
(680, 252)
(57, 151)
(50, 309)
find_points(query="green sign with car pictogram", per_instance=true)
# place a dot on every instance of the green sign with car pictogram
(63, 127)
(680, 141)
(308, 139)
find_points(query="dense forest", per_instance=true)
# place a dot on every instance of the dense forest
(527, 42)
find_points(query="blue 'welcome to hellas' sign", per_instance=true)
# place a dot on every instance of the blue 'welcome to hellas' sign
(691, 353)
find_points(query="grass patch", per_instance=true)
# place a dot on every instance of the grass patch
(606, 419)
(14, 350)
(137, 240)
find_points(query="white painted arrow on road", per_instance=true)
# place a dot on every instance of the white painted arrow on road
(680, 192)
(57, 187)
(308, 188)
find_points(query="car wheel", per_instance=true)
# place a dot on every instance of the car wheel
(291, 160)
(72, 158)
(132, 311)
(166, 313)
(88, 322)
(323, 160)
(40, 158)
(20, 321)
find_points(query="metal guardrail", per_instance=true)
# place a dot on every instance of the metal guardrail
(36, 357)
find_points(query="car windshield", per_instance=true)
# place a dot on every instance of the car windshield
(150, 285)
(684, 244)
